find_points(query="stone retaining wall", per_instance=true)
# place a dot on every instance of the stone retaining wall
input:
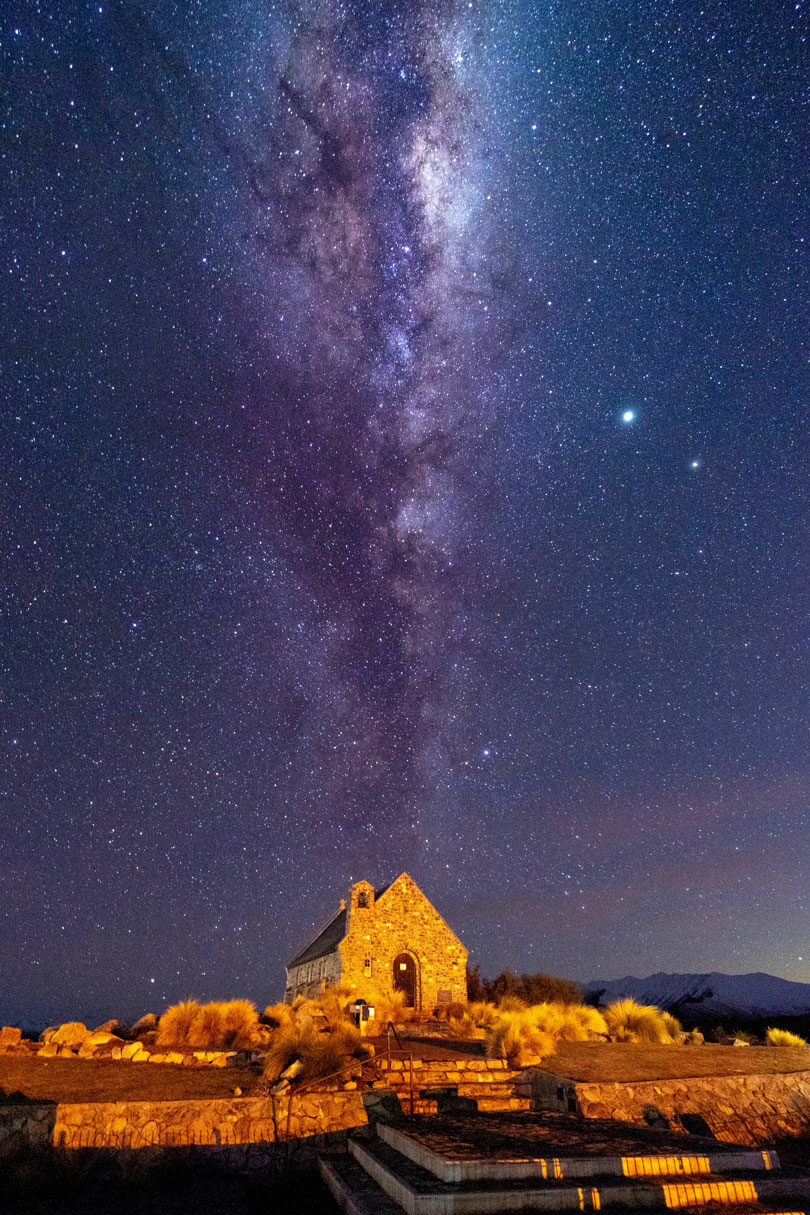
(753, 1110)
(200, 1123)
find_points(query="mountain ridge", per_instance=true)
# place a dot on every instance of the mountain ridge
(713, 993)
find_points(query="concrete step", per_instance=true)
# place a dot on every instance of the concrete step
(353, 1189)
(492, 1168)
(420, 1192)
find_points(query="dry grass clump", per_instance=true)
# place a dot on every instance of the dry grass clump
(627, 1021)
(321, 1052)
(392, 1007)
(219, 1025)
(537, 1027)
(783, 1037)
(174, 1027)
(526, 1035)
(520, 1038)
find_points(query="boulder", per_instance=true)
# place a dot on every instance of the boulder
(101, 1037)
(146, 1022)
(112, 1027)
(49, 1050)
(47, 1034)
(10, 1037)
(72, 1034)
(129, 1049)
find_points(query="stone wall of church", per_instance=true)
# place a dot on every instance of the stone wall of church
(309, 978)
(403, 921)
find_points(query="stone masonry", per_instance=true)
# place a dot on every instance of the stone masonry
(746, 1109)
(377, 932)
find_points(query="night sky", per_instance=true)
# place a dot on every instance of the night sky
(404, 467)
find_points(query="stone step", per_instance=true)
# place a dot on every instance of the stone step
(419, 1192)
(491, 1168)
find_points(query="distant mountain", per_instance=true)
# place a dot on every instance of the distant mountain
(710, 995)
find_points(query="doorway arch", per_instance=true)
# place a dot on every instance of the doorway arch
(406, 979)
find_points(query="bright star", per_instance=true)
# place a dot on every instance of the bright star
(629, 415)
(694, 463)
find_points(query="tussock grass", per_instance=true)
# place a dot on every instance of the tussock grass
(630, 1022)
(520, 1032)
(392, 1007)
(783, 1037)
(174, 1027)
(520, 1038)
(219, 1025)
(321, 1052)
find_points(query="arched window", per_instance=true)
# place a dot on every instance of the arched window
(362, 899)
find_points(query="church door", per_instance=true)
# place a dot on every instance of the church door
(405, 978)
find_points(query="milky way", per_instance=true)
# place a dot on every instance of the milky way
(372, 235)
(403, 468)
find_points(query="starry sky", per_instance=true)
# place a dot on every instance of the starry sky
(404, 467)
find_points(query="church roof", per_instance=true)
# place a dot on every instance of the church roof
(329, 937)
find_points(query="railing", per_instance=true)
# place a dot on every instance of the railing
(299, 1090)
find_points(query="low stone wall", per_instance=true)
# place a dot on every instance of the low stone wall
(200, 1123)
(753, 1110)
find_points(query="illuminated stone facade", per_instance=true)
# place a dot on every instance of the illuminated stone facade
(382, 940)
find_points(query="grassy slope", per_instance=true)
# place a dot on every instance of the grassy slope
(624, 1062)
(107, 1080)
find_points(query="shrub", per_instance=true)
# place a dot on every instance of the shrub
(174, 1027)
(321, 1052)
(391, 1007)
(569, 1022)
(783, 1037)
(462, 1026)
(277, 1015)
(532, 989)
(219, 1025)
(518, 1038)
(239, 1021)
(206, 1032)
(630, 1022)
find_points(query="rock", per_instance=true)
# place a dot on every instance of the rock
(129, 1049)
(295, 1069)
(99, 1044)
(49, 1050)
(10, 1037)
(237, 1092)
(147, 1022)
(47, 1034)
(112, 1027)
(72, 1034)
(100, 1037)
(65, 1052)
(740, 1042)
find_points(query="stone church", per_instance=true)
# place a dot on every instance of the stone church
(388, 938)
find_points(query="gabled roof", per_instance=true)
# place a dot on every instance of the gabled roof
(329, 937)
(325, 942)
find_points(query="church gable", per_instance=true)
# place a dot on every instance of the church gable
(391, 938)
(401, 941)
